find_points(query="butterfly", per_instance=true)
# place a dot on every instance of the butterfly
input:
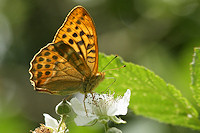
(70, 63)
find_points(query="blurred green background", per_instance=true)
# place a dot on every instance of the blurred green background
(159, 35)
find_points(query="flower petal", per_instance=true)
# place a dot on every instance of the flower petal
(50, 121)
(123, 103)
(114, 130)
(120, 107)
(79, 109)
(77, 106)
(84, 120)
(112, 110)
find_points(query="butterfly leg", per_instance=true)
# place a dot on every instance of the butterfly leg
(85, 105)
(67, 98)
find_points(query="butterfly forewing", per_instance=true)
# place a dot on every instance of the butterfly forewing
(71, 56)
(79, 32)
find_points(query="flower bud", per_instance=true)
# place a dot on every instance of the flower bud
(113, 130)
(63, 108)
(117, 120)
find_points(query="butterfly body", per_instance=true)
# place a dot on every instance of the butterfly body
(70, 63)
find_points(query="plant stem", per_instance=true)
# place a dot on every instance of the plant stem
(106, 126)
(62, 119)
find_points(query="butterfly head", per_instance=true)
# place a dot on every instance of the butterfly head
(100, 76)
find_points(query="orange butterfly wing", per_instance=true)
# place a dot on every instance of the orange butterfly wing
(70, 63)
(56, 69)
(79, 32)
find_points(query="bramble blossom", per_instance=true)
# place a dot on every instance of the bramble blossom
(100, 107)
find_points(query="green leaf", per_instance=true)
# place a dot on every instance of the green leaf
(151, 96)
(195, 75)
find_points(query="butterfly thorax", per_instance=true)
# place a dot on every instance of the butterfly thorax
(91, 83)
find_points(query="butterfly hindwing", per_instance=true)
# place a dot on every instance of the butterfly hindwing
(79, 32)
(57, 68)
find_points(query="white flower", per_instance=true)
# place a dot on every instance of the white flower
(53, 124)
(100, 107)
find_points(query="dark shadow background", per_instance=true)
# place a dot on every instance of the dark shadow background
(159, 35)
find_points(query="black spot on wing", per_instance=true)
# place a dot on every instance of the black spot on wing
(91, 51)
(71, 41)
(69, 30)
(89, 46)
(39, 66)
(47, 66)
(46, 53)
(78, 22)
(48, 60)
(82, 33)
(47, 73)
(90, 36)
(80, 42)
(55, 57)
(39, 74)
(91, 59)
(64, 36)
(41, 59)
(74, 35)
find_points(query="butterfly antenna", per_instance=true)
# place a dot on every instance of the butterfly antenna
(116, 68)
(109, 62)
